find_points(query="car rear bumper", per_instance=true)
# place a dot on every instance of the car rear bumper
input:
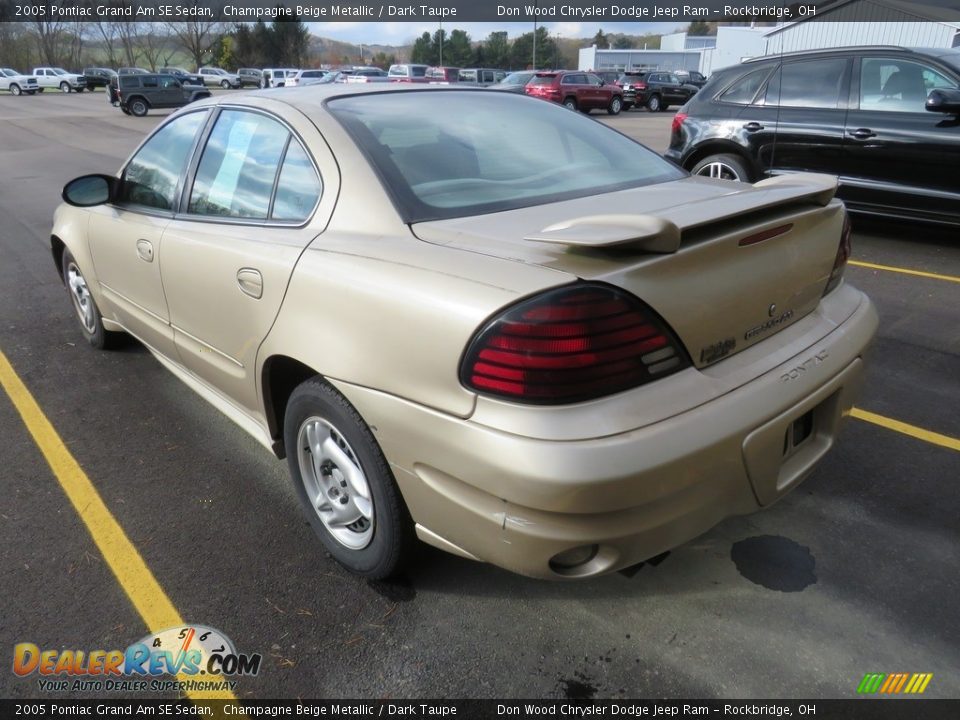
(518, 502)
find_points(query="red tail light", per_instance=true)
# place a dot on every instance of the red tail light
(677, 122)
(571, 344)
(843, 254)
(640, 85)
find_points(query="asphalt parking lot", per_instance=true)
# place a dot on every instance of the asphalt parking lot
(854, 572)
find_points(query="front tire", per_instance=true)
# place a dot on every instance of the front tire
(225, 84)
(616, 105)
(88, 314)
(138, 107)
(344, 482)
(15, 89)
(64, 87)
(723, 166)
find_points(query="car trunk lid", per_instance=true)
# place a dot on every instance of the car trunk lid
(728, 266)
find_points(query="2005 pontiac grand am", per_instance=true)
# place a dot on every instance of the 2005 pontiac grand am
(485, 322)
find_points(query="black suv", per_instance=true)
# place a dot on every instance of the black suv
(886, 120)
(98, 77)
(138, 93)
(656, 89)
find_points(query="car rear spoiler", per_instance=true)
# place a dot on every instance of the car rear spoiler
(661, 232)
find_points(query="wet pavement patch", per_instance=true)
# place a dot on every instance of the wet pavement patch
(580, 687)
(395, 590)
(775, 562)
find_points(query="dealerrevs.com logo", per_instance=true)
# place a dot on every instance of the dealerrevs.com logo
(201, 657)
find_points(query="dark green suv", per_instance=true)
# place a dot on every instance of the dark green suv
(137, 94)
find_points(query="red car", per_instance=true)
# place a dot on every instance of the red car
(576, 90)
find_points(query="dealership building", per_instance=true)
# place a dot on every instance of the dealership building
(849, 22)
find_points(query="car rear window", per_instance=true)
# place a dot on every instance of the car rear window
(445, 154)
(542, 80)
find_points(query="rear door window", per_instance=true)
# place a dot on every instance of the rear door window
(808, 84)
(298, 188)
(238, 167)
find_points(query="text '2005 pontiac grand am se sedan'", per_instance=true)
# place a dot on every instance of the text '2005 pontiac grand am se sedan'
(488, 323)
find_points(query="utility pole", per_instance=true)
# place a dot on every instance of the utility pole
(441, 43)
(534, 35)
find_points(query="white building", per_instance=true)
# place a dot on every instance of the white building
(848, 22)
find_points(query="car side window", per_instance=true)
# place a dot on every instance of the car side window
(891, 85)
(238, 166)
(150, 82)
(151, 177)
(807, 84)
(744, 89)
(298, 188)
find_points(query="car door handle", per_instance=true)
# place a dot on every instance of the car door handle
(753, 126)
(145, 250)
(863, 133)
(250, 282)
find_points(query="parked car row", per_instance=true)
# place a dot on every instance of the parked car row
(42, 78)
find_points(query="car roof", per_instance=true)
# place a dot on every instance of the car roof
(312, 97)
(853, 50)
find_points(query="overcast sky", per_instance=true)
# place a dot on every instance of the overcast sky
(402, 33)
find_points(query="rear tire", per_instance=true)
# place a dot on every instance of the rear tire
(340, 473)
(570, 103)
(723, 166)
(653, 103)
(138, 107)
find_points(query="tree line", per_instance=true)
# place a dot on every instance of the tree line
(154, 44)
(281, 43)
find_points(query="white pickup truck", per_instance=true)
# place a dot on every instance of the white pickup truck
(54, 77)
(16, 83)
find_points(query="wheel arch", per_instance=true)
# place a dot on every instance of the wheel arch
(57, 248)
(721, 147)
(279, 377)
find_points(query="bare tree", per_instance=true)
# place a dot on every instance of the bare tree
(108, 35)
(75, 38)
(154, 45)
(49, 40)
(197, 37)
(128, 32)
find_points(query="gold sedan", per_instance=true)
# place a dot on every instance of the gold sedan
(488, 323)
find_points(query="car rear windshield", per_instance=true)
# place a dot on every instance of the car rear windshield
(542, 80)
(446, 154)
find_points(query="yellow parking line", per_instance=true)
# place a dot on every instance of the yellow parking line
(911, 430)
(905, 271)
(129, 568)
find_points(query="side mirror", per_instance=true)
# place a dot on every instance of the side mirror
(944, 100)
(89, 190)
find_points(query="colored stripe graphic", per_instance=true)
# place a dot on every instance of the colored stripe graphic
(894, 683)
